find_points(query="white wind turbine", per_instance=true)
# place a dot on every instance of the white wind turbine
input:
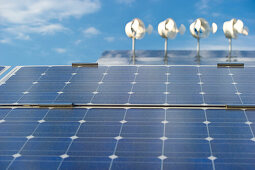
(168, 29)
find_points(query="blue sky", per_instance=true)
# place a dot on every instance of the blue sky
(41, 32)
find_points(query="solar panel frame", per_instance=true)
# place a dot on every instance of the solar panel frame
(3, 69)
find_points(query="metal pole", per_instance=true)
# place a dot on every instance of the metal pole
(229, 47)
(133, 50)
(165, 55)
(198, 46)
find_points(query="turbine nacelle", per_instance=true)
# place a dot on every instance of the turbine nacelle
(234, 27)
(168, 29)
(200, 28)
(136, 29)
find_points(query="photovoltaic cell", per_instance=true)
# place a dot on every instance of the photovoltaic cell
(130, 84)
(126, 138)
(1, 69)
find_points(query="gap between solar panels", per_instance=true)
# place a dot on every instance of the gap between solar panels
(138, 106)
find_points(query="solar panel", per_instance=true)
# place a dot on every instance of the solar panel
(203, 85)
(126, 139)
(129, 116)
(3, 69)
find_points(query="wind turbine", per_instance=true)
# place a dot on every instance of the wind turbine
(231, 30)
(168, 29)
(200, 28)
(135, 29)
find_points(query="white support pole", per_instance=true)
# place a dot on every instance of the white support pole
(229, 47)
(198, 46)
(165, 55)
(133, 50)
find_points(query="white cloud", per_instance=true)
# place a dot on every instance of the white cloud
(91, 31)
(77, 42)
(23, 31)
(5, 41)
(109, 39)
(60, 50)
(125, 1)
(190, 21)
(205, 7)
(41, 11)
(202, 4)
(216, 14)
(42, 16)
(22, 36)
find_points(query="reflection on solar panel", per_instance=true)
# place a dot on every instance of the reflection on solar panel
(128, 117)
(176, 57)
(201, 85)
(3, 69)
(127, 139)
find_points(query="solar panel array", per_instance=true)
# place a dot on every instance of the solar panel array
(126, 139)
(131, 85)
(132, 138)
(2, 69)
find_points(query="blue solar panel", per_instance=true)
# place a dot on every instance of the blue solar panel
(3, 69)
(104, 138)
(126, 139)
(130, 84)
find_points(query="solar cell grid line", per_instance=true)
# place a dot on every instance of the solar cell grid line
(206, 122)
(123, 121)
(119, 137)
(179, 132)
(3, 119)
(26, 92)
(217, 86)
(149, 87)
(183, 86)
(166, 84)
(244, 111)
(249, 124)
(245, 81)
(132, 86)
(209, 139)
(61, 91)
(11, 90)
(65, 155)
(162, 157)
(201, 87)
(18, 154)
(101, 81)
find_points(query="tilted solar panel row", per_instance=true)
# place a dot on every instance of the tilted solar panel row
(126, 139)
(131, 85)
(3, 69)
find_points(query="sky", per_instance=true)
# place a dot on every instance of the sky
(60, 32)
